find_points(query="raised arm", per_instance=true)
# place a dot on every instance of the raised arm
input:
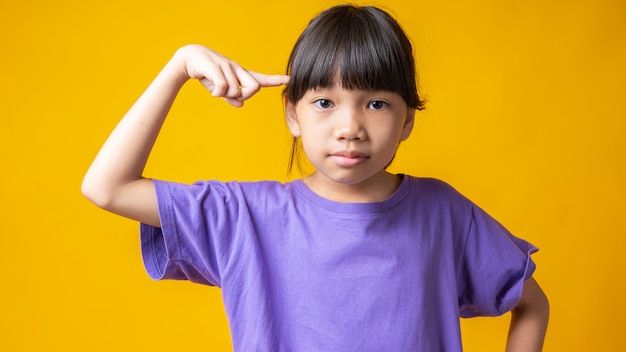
(529, 320)
(115, 179)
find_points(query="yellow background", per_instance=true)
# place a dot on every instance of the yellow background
(526, 116)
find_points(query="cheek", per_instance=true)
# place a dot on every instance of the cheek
(313, 130)
(388, 139)
(389, 130)
(308, 136)
(312, 144)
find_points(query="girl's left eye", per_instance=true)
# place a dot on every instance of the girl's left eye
(377, 105)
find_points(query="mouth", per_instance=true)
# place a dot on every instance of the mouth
(348, 157)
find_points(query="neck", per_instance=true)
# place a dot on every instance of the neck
(375, 189)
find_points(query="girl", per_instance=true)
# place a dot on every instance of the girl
(349, 258)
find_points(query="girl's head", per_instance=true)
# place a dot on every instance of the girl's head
(360, 48)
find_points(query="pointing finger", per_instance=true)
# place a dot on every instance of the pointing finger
(269, 80)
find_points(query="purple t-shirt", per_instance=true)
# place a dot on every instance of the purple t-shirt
(299, 272)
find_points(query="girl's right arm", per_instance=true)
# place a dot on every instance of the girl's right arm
(115, 179)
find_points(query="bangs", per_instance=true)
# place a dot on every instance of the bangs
(349, 58)
(358, 47)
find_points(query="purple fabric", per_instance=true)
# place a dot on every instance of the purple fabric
(302, 273)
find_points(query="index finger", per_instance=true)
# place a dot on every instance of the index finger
(251, 82)
(269, 80)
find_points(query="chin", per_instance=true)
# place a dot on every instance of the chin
(350, 178)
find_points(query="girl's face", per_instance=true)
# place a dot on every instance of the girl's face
(350, 136)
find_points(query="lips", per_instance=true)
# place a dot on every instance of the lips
(349, 154)
(348, 157)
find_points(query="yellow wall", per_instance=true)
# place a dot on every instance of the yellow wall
(526, 116)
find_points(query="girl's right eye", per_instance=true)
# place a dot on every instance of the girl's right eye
(323, 104)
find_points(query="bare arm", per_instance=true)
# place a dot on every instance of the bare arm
(529, 320)
(115, 179)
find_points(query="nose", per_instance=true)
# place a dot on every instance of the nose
(349, 126)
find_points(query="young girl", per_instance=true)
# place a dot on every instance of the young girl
(349, 258)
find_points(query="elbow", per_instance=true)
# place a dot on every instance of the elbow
(96, 193)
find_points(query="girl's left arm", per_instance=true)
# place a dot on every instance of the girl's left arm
(529, 320)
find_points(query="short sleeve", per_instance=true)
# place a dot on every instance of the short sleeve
(494, 266)
(188, 244)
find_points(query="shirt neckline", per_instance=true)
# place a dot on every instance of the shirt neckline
(371, 208)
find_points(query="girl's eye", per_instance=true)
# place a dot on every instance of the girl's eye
(323, 103)
(377, 105)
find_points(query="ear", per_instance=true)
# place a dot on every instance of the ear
(291, 117)
(409, 121)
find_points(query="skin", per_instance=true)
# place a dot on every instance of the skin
(349, 135)
(115, 179)
(529, 320)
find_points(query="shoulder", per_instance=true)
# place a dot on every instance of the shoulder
(434, 188)
(219, 197)
(225, 186)
(226, 190)
(429, 183)
(436, 196)
(265, 190)
(266, 193)
(262, 186)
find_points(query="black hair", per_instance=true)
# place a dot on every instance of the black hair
(361, 47)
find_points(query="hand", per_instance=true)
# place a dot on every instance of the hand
(222, 76)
